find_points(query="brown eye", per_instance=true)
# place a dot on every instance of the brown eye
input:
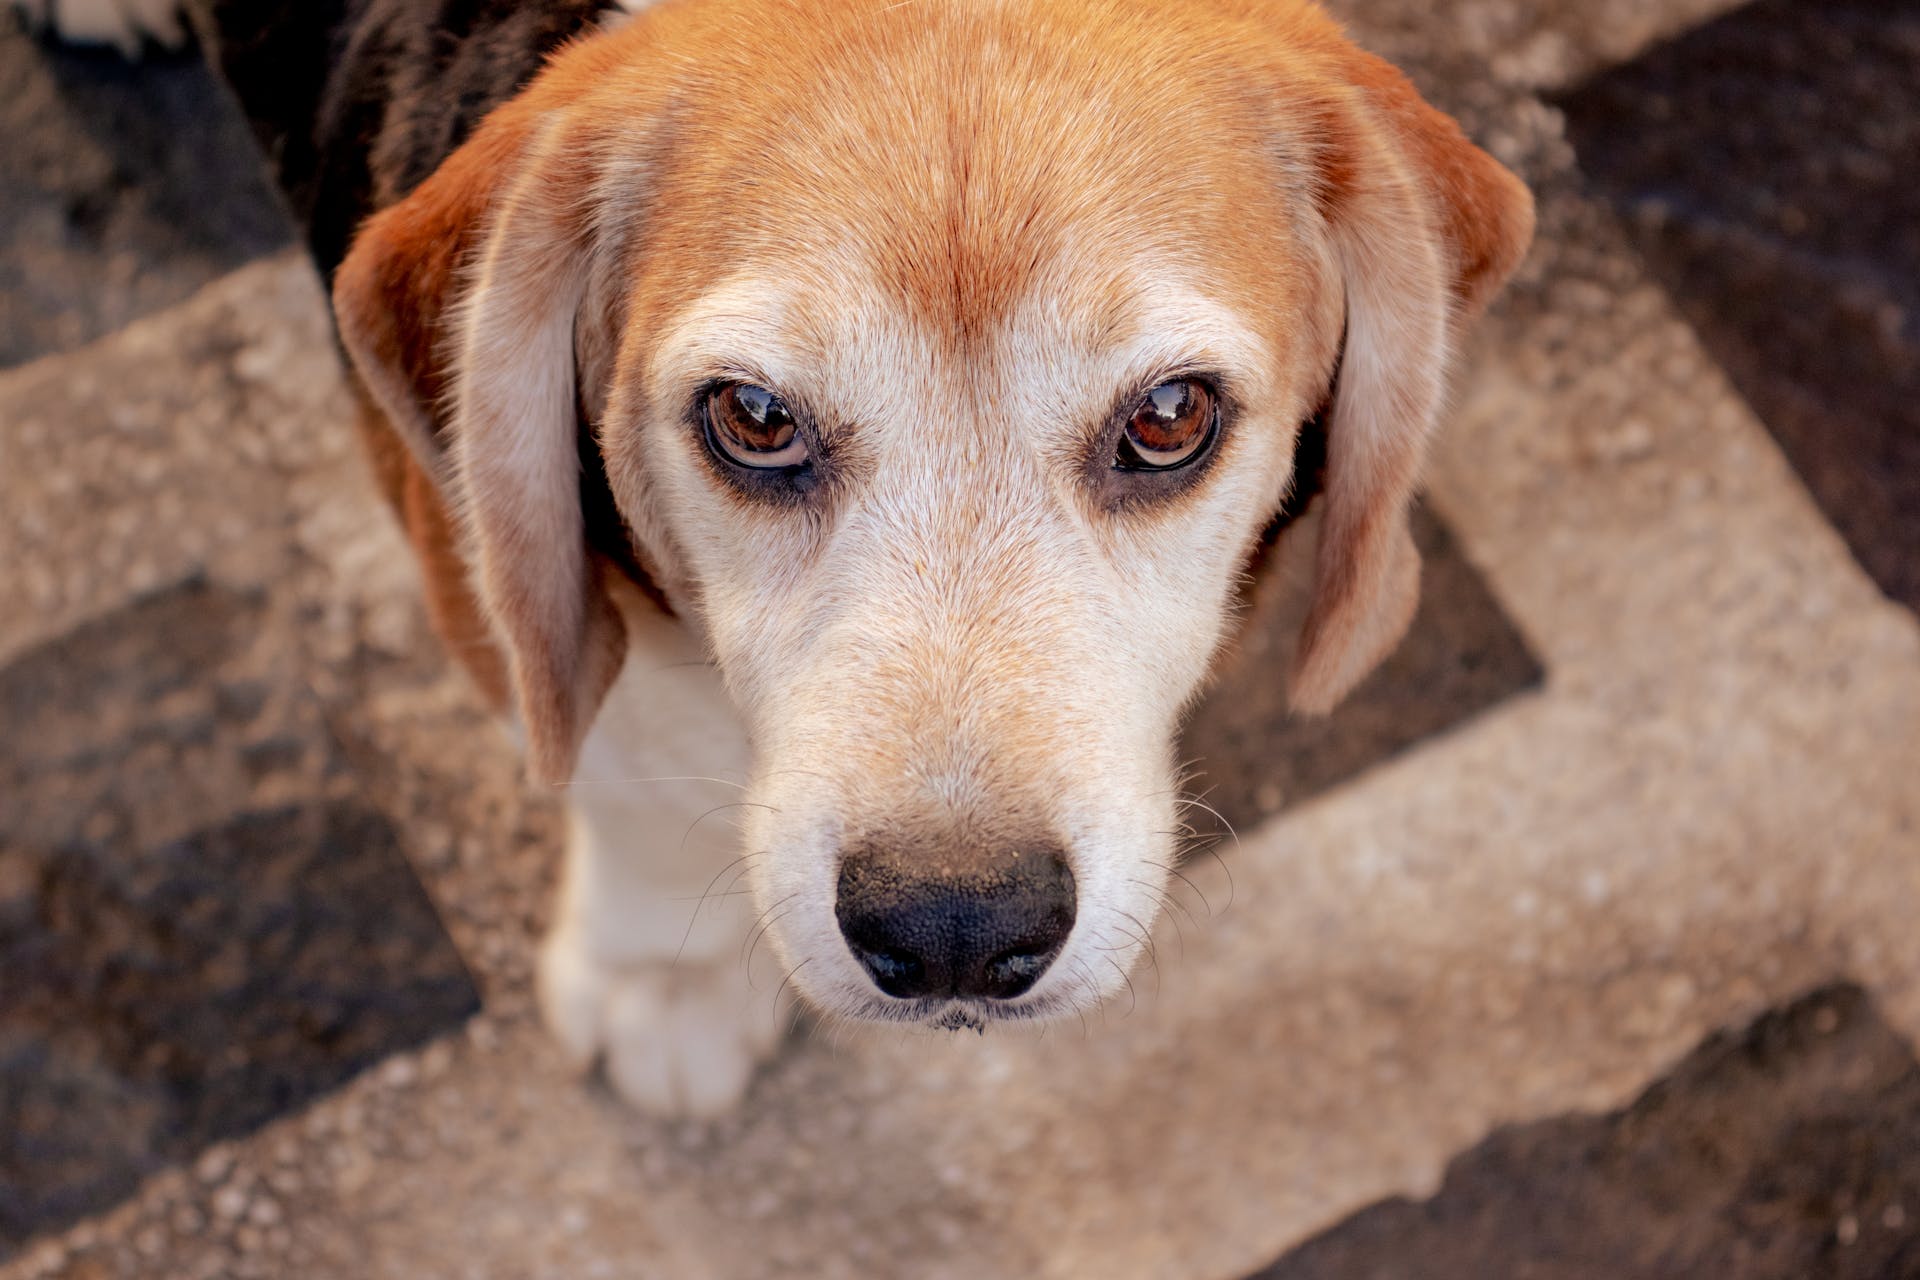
(750, 426)
(1170, 427)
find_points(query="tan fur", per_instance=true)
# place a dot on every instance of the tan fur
(1426, 227)
(507, 463)
(954, 233)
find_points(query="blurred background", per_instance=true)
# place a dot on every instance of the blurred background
(1580, 944)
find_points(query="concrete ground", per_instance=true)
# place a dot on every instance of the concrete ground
(1520, 990)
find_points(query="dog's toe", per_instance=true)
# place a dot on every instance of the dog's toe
(573, 995)
(674, 1040)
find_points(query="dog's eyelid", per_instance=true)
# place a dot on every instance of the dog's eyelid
(712, 378)
(1223, 387)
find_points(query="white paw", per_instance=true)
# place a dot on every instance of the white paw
(674, 1039)
(124, 24)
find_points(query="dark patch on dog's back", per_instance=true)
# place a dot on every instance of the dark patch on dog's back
(356, 102)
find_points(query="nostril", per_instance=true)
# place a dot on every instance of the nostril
(898, 973)
(1013, 973)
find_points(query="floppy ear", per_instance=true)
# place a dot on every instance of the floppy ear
(1424, 229)
(458, 308)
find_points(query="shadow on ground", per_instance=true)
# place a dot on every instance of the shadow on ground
(1768, 167)
(202, 922)
(127, 187)
(1785, 1152)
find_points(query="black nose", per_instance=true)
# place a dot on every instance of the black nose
(989, 931)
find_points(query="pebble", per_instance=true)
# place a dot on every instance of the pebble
(436, 1061)
(1631, 441)
(213, 1166)
(49, 1258)
(230, 1203)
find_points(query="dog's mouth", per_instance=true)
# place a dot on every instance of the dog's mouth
(959, 1017)
(940, 1013)
(961, 1013)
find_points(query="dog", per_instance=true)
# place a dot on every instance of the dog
(882, 404)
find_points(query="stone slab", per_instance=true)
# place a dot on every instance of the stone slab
(127, 188)
(1785, 1151)
(203, 923)
(1765, 165)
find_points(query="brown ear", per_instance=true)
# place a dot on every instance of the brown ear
(1424, 228)
(457, 307)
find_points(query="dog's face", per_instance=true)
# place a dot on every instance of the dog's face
(945, 362)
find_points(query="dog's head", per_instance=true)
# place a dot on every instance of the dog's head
(944, 362)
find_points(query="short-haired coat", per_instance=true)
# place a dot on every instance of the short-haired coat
(880, 403)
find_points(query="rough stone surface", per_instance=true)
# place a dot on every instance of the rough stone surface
(202, 923)
(1780, 1153)
(127, 188)
(1765, 164)
(1250, 756)
(208, 920)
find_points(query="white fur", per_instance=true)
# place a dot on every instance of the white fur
(642, 970)
(623, 12)
(125, 24)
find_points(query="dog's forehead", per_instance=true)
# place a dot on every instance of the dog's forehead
(964, 164)
(852, 347)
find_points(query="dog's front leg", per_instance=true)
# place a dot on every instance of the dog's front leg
(643, 970)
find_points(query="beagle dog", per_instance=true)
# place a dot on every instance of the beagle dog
(877, 407)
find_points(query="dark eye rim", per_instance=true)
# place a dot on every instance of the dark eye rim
(1118, 489)
(787, 483)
